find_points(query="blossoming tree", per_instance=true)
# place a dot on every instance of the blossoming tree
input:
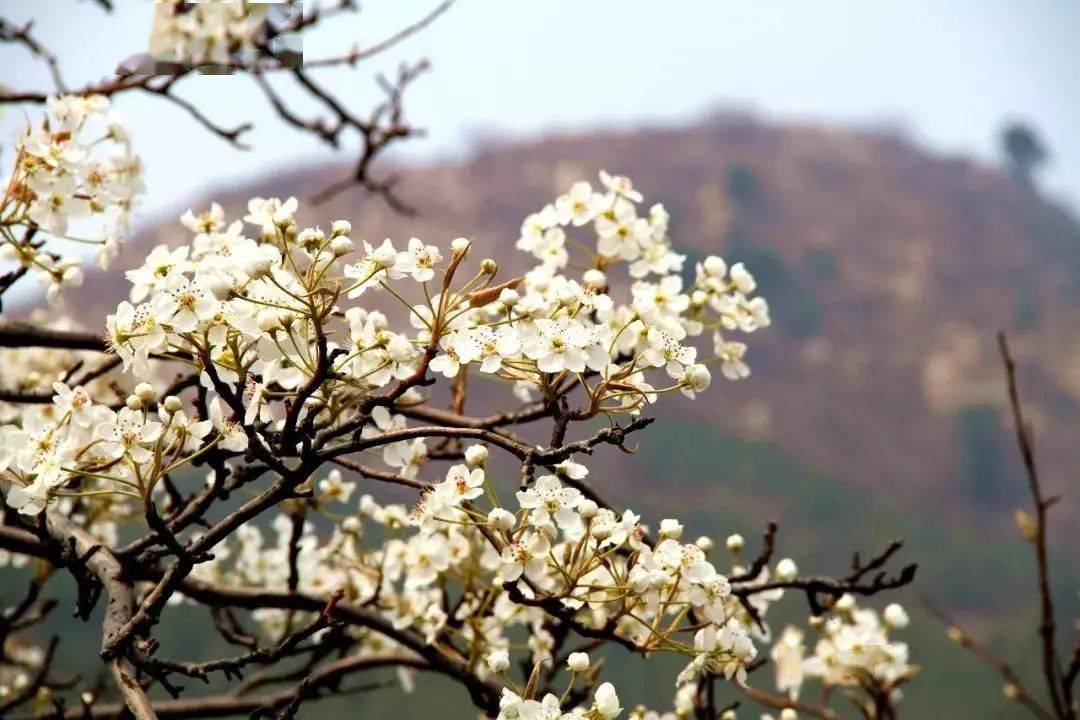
(232, 437)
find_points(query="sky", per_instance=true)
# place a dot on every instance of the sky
(948, 73)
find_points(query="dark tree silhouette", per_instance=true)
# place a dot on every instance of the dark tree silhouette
(1024, 152)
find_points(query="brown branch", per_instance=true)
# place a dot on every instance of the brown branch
(230, 135)
(768, 543)
(25, 542)
(229, 704)
(1008, 674)
(400, 35)
(381, 475)
(441, 658)
(381, 128)
(44, 398)
(855, 583)
(21, 35)
(384, 126)
(231, 667)
(1060, 692)
(132, 692)
(84, 551)
(782, 703)
(21, 335)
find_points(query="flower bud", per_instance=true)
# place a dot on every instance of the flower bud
(587, 509)
(735, 543)
(311, 236)
(786, 569)
(383, 256)
(498, 661)
(1028, 529)
(219, 285)
(172, 404)
(145, 391)
(606, 702)
(341, 245)
(282, 218)
(956, 635)
(1010, 691)
(351, 524)
(846, 603)
(341, 227)
(501, 519)
(895, 616)
(72, 276)
(476, 455)
(134, 402)
(715, 266)
(671, 528)
(268, 320)
(705, 543)
(460, 245)
(788, 714)
(594, 278)
(509, 297)
(368, 506)
(578, 662)
(488, 266)
(600, 531)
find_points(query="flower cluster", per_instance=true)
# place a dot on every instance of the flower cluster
(300, 349)
(853, 649)
(557, 553)
(105, 452)
(551, 323)
(605, 706)
(35, 372)
(205, 32)
(258, 312)
(75, 177)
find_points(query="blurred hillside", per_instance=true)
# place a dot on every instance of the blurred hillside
(875, 408)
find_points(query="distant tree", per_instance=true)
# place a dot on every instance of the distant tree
(1025, 307)
(822, 263)
(804, 311)
(1024, 152)
(743, 186)
(982, 462)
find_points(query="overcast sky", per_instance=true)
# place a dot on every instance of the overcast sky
(949, 72)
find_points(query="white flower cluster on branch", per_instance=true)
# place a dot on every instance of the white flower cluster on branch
(75, 179)
(206, 32)
(304, 356)
(257, 316)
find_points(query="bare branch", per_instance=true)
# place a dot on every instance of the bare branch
(1059, 691)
